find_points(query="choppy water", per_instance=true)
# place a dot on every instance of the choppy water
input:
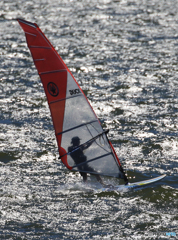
(124, 56)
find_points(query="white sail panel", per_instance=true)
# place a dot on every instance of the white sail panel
(72, 87)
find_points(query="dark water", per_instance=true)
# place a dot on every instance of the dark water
(124, 56)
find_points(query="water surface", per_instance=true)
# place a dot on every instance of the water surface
(124, 56)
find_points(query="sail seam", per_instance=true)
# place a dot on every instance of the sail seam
(81, 125)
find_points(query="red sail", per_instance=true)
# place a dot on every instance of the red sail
(73, 118)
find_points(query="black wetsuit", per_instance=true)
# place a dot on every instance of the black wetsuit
(79, 157)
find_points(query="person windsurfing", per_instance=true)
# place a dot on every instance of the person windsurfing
(77, 154)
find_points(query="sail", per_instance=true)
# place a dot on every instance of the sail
(82, 143)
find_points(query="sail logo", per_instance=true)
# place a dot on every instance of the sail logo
(74, 91)
(53, 89)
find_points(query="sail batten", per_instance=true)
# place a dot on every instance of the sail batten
(41, 47)
(64, 99)
(81, 125)
(30, 34)
(83, 144)
(54, 71)
(91, 160)
(43, 59)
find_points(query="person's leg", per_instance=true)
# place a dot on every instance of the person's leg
(99, 179)
(84, 175)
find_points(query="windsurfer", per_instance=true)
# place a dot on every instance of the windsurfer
(79, 158)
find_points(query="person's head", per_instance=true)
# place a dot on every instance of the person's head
(75, 141)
